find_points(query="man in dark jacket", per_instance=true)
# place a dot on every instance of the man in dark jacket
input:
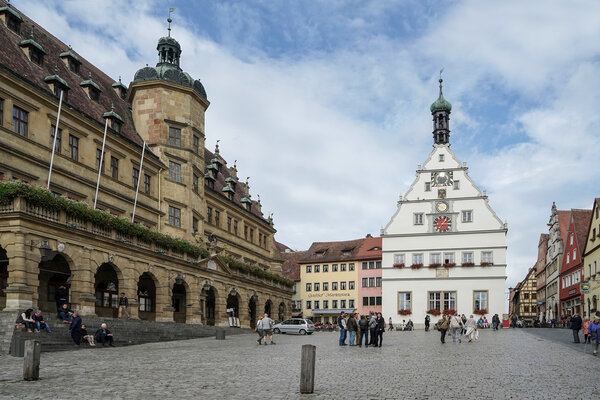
(123, 306)
(363, 324)
(575, 327)
(61, 296)
(341, 323)
(352, 327)
(103, 335)
(75, 328)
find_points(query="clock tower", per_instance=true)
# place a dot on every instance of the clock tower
(450, 243)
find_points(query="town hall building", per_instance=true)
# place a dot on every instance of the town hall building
(444, 249)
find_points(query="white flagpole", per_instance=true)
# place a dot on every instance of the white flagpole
(55, 136)
(101, 163)
(137, 189)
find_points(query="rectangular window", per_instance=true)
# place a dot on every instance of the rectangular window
(351, 267)
(209, 211)
(73, 65)
(351, 303)
(343, 285)
(435, 300)
(325, 304)
(308, 304)
(351, 285)
(316, 305)
(371, 264)
(195, 183)
(195, 143)
(228, 224)
(334, 286)
(399, 259)
(448, 258)
(378, 264)
(135, 176)
(36, 56)
(404, 301)
(147, 183)
(317, 286)
(175, 217)
(378, 300)
(526, 296)
(94, 94)
(116, 125)
(418, 218)
(372, 281)
(98, 157)
(467, 216)
(217, 217)
(13, 23)
(480, 301)
(486, 257)
(365, 265)
(1, 111)
(325, 268)
(417, 258)
(365, 301)
(317, 268)
(174, 171)
(441, 158)
(365, 282)
(334, 303)
(235, 227)
(428, 186)
(308, 269)
(175, 137)
(371, 300)
(342, 267)
(378, 281)
(334, 267)
(114, 167)
(20, 117)
(342, 303)
(467, 257)
(57, 146)
(574, 254)
(456, 185)
(449, 300)
(74, 147)
(195, 224)
(434, 258)
(308, 287)
(325, 285)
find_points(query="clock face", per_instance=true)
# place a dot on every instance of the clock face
(441, 178)
(441, 206)
(442, 224)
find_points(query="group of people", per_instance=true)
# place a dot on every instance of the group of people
(361, 329)
(33, 321)
(457, 326)
(591, 330)
(264, 328)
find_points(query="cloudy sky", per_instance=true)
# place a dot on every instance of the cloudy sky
(325, 104)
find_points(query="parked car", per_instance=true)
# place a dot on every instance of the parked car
(299, 326)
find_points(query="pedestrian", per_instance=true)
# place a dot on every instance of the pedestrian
(372, 328)
(379, 329)
(104, 335)
(470, 328)
(123, 306)
(495, 322)
(267, 325)
(575, 327)
(409, 325)
(594, 332)
(363, 325)
(464, 321)
(514, 320)
(427, 321)
(40, 323)
(75, 328)
(584, 325)
(456, 327)
(341, 322)
(259, 330)
(357, 320)
(61, 296)
(390, 325)
(442, 326)
(352, 327)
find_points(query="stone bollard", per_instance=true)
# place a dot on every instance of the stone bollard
(31, 361)
(220, 334)
(17, 347)
(307, 369)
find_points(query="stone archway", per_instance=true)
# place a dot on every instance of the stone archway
(54, 283)
(179, 302)
(210, 301)
(3, 277)
(233, 308)
(268, 307)
(252, 310)
(107, 291)
(146, 293)
(281, 311)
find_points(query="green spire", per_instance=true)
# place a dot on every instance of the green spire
(441, 104)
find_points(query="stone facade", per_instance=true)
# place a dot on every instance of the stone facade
(557, 231)
(540, 276)
(186, 191)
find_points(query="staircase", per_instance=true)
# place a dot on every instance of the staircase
(125, 332)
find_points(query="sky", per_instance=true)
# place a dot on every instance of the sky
(325, 104)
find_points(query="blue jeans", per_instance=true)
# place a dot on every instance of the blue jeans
(456, 334)
(352, 338)
(342, 337)
(365, 335)
(64, 316)
(38, 325)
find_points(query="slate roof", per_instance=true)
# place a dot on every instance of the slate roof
(15, 61)
(320, 252)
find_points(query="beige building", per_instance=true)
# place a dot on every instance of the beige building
(591, 261)
(524, 298)
(189, 199)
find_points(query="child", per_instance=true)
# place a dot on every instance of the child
(84, 334)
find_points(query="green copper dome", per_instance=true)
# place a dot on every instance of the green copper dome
(441, 104)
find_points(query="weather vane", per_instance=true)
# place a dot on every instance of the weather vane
(441, 70)
(169, 20)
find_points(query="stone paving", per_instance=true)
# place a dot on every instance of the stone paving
(512, 364)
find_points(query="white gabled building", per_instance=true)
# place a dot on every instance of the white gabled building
(444, 248)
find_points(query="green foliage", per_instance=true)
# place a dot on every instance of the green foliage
(256, 271)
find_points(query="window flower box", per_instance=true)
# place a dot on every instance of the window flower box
(434, 311)
(449, 311)
(398, 265)
(483, 311)
(435, 265)
(449, 265)
(405, 312)
(416, 266)
(468, 264)
(486, 263)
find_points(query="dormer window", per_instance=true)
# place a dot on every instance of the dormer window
(11, 18)
(116, 125)
(115, 120)
(58, 84)
(92, 89)
(58, 89)
(73, 66)
(71, 60)
(120, 89)
(35, 50)
(94, 94)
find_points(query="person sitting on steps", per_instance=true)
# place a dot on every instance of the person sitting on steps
(104, 335)
(85, 336)
(65, 314)
(25, 318)
(40, 323)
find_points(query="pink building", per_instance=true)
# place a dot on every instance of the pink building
(369, 275)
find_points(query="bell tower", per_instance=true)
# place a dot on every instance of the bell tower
(440, 110)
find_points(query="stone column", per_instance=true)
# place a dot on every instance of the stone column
(22, 281)
(83, 296)
(244, 299)
(194, 312)
(164, 309)
(129, 285)
(221, 318)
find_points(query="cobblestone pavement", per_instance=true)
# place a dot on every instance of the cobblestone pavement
(516, 364)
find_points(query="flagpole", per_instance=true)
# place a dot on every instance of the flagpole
(55, 136)
(101, 163)
(137, 189)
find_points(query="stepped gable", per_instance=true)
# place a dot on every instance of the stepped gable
(581, 220)
(370, 249)
(15, 60)
(320, 252)
(239, 188)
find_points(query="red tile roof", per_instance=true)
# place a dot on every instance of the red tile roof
(370, 249)
(332, 251)
(564, 218)
(581, 221)
(291, 265)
